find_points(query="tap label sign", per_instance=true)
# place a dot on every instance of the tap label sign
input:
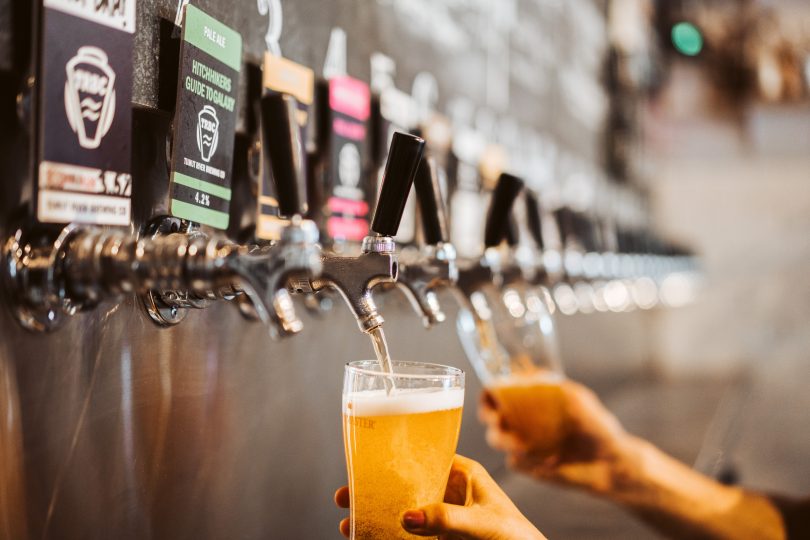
(205, 120)
(282, 76)
(84, 112)
(347, 207)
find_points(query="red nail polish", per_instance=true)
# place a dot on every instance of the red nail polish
(414, 519)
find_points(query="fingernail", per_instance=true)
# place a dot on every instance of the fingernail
(414, 519)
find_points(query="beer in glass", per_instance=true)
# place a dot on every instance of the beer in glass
(400, 441)
(531, 404)
(511, 342)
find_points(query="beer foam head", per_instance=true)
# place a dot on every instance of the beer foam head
(402, 401)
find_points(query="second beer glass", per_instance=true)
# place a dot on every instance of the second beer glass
(511, 343)
(399, 444)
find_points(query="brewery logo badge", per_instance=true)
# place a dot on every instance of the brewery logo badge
(207, 132)
(84, 98)
(286, 77)
(205, 119)
(90, 96)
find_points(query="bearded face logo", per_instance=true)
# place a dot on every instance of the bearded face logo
(90, 96)
(207, 132)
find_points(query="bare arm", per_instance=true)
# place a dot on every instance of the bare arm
(599, 456)
(682, 503)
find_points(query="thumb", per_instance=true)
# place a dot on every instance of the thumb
(441, 518)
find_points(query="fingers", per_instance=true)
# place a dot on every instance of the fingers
(480, 485)
(441, 518)
(345, 527)
(459, 488)
(342, 501)
(342, 497)
(505, 441)
(488, 409)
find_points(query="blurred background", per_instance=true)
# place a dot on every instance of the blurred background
(687, 118)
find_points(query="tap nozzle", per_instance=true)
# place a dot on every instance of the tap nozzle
(435, 265)
(263, 274)
(173, 271)
(355, 277)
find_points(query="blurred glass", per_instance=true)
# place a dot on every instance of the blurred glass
(511, 343)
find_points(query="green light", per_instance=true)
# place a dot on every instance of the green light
(687, 38)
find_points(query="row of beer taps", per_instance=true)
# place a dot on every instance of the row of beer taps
(173, 266)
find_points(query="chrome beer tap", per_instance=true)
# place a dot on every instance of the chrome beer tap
(478, 290)
(86, 265)
(171, 267)
(355, 277)
(493, 266)
(434, 265)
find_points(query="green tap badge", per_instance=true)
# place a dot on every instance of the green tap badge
(205, 120)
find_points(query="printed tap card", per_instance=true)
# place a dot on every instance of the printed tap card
(205, 120)
(84, 110)
(285, 77)
(350, 106)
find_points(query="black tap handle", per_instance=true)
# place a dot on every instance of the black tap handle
(431, 205)
(400, 169)
(512, 236)
(533, 219)
(500, 208)
(565, 224)
(283, 147)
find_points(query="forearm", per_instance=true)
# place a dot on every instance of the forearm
(682, 503)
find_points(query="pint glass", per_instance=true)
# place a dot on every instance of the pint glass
(400, 441)
(510, 340)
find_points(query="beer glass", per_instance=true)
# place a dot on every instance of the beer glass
(510, 340)
(400, 441)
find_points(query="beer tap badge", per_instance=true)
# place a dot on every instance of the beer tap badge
(205, 119)
(84, 99)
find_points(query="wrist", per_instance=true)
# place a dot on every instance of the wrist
(633, 473)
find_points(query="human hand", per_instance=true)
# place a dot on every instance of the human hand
(474, 508)
(593, 451)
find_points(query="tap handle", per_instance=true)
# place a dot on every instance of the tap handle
(565, 226)
(533, 219)
(512, 235)
(500, 209)
(431, 205)
(284, 149)
(400, 169)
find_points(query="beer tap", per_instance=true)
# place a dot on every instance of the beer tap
(86, 265)
(171, 267)
(435, 264)
(491, 269)
(355, 277)
(283, 153)
(478, 284)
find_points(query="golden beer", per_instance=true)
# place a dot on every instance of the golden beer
(532, 405)
(399, 449)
